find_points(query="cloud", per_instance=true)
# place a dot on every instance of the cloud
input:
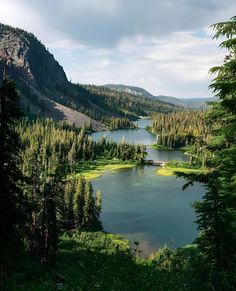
(105, 23)
(177, 64)
(164, 46)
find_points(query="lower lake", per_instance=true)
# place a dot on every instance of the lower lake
(143, 206)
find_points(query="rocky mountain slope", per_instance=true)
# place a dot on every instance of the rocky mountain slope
(38, 76)
(47, 92)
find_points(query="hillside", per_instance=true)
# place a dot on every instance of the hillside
(47, 92)
(196, 103)
(99, 261)
(130, 89)
(38, 76)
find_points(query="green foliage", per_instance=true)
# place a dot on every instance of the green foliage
(12, 202)
(176, 130)
(51, 153)
(187, 129)
(84, 208)
(118, 123)
(48, 139)
(123, 104)
(216, 214)
(99, 261)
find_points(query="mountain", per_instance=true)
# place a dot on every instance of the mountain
(39, 77)
(131, 90)
(195, 103)
(47, 92)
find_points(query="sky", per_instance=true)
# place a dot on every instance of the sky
(164, 46)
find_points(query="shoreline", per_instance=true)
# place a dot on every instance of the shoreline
(94, 170)
(168, 170)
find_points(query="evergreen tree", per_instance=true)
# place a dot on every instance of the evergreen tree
(98, 204)
(49, 227)
(79, 202)
(11, 199)
(68, 217)
(216, 214)
(98, 210)
(89, 207)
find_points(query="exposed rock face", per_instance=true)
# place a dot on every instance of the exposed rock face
(40, 78)
(26, 57)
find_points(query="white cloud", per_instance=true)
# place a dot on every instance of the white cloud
(164, 46)
(175, 65)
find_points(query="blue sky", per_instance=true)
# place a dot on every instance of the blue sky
(164, 46)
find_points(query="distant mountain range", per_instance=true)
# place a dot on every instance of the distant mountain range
(195, 103)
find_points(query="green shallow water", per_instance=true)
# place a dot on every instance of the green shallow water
(146, 207)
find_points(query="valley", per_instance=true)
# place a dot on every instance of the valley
(109, 187)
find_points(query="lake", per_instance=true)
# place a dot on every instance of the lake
(144, 206)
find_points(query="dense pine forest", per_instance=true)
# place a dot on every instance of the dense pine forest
(51, 234)
(45, 196)
(187, 130)
(113, 103)
(118, 123)
(126, 104)
(101, 102)
(176, 130)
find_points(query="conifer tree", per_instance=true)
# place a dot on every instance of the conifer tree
(79, 201)
(68, 217)
(216, 214)
(98, 204)
(11, 198)
(89, 207)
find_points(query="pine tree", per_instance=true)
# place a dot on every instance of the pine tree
(72, 154)
(68, 217)
(11, 199)
(98, 204)
(216, 214)
(49, 227)
(89, 218)
(79, 201)
(98, 210)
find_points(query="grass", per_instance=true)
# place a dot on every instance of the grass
(164, 172)
(94, 170)
(171, 167)
(90, 261)
(100, 261)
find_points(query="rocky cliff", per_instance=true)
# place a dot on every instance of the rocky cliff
(39, 77)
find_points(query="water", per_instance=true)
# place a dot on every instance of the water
(146, 207)
(136, 136)
(143, 123)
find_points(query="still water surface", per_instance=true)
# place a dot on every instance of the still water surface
(146, 207)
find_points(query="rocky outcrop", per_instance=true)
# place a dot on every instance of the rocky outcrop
(27, 58)
(39, 77)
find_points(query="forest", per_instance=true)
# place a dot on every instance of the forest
(180, 129)
(188, 130)
(42, 156)
(51, 234)
(118, 123)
